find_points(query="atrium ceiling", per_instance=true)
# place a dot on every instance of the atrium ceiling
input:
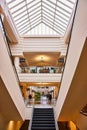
(50, 17)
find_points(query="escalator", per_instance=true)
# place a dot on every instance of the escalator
(43, 119)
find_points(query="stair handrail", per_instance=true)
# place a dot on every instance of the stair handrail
(30, 123)
(56, 124)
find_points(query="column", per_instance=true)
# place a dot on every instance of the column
(17, 62)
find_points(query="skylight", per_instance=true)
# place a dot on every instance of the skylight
(41, 17)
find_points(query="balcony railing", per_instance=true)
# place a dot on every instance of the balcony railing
(43, 69)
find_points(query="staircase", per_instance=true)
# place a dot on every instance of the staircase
(43, 119)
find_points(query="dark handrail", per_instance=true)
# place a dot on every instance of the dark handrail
(8, 48)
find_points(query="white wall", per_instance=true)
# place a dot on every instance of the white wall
(29, 77)
(39, 45)
(79, 34)
(9, 78)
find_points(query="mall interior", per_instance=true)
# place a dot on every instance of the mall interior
(43, 51)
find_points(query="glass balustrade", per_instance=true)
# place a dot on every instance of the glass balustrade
(44, 69)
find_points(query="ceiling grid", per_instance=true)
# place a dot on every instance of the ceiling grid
(41, 16)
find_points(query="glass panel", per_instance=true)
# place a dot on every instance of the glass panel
(35, 25)
(59, 27)
(23, 22)
(48, 7)
(13, 10)
(53, 1)
(22, 19)
(20, 16)
(45, 17)
(62, 20)
(34, 18)
(49, 23)
(50, 4)
(72, 1)
(63, 12)
(35, 10)
(64, 7)
(61, 23)
(35, 14)
(29, 1)
(16, 5)
(48, 16)
(67, 3)
(62, 16)
(23, 26)
(34, 7)
(48, 11)
(13, 3)
(37, 21)
(23, 29)
(34, 3)
(19, 12)
(54, 28)
(8, 1)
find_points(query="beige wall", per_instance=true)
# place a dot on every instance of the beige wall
(9, 78)
(82, 122)
(79, 34)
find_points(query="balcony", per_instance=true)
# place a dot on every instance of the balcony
(40, 74)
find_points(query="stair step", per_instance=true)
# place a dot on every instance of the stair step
(43, 125)
(43, 119)
(36, 119)
(43, 114)
(43, 128)
(44, 122)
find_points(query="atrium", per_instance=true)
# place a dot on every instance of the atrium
(43, 55)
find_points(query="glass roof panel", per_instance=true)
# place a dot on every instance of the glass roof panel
(62, 11)
(13, 3)
(19, 12)
(62, 16)
(48, 16)
(55, 14)
(50, 4)
(35, 7)
(34, 22)
(35, 10)
(24, 26)
(22, 19)
(48, 11)
(72, 1)
(22, 22)
(34, 18)
(53, 27)
(35, 15)
(64, 7)
(20, 16)
(67, 3)
(18, 7)
(54, 1)
(8, 1)
(62, 20)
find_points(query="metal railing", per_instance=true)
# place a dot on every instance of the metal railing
(43, 69)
